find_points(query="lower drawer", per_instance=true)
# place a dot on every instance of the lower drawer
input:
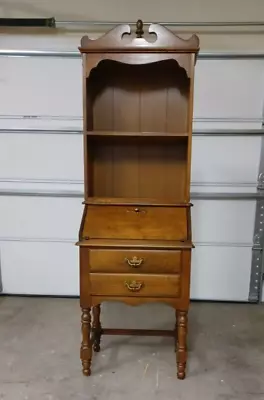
(135, 285)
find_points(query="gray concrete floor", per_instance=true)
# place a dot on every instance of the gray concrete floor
(39, 353)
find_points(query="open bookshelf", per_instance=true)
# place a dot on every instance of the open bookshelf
(137, 130)
(135, 234)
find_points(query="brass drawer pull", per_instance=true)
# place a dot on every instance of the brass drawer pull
(137, 210)
(134, 286)
(134, 262)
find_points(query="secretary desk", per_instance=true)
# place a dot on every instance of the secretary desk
(135, 235)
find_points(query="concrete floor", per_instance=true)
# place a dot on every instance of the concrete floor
(39, 353)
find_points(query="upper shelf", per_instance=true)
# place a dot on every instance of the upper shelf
(120, 39)
(135, 134)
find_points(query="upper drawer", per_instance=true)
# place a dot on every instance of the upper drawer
(132, 222)
(138, 261)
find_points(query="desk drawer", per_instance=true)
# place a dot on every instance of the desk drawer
(132, 222)
(135, 261)
(135, 285)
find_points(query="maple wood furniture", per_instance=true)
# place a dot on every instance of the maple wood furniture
(135, 235)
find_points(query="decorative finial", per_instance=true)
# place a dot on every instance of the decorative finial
(139, 31)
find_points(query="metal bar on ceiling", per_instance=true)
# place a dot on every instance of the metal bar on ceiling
(168, 23)
(52, 23)
(76, 54)
(28, 22)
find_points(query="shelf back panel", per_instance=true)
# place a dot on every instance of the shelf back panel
(150, 97)
(129, 168)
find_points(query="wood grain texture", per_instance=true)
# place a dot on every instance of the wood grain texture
(135, 285)
(85, 297)
(119, 39)
(182, 317)
(96, 327)
(135, 244)
(135, 261)
(186, 278)
(86, 346)
(151, 202)
(127, 222)
(139, 332)
(135, 235)
(131, 99)
(137, 301)
(126, 170)
(183, 60)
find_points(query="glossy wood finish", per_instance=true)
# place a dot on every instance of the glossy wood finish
(115, 40)
(133, 222)
(150, 202)
(139, 285)
(96, 327)
(174, 302)
(135, 261)
(139, 332)
(135, 244)
(158, 106)
(86, 346)
(135, 235)
(182, 320)
(125, 168)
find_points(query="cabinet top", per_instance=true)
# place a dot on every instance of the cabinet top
(121, 40)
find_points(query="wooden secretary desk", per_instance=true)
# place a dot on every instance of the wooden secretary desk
(135, 235)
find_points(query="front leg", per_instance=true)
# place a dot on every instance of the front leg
(96, 327)
(182, 320)
(86, 347)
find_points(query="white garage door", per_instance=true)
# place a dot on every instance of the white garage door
(41, 174)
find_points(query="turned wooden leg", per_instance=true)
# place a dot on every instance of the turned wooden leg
(86, 347)
(182, 319)
(176, 332)
(96, 327)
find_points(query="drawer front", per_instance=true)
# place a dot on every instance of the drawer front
(135, 261)
(135, 285)
(131, 222)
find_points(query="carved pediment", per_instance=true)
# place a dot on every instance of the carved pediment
(122, 39)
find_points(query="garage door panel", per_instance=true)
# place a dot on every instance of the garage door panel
(41, 156)
(225, 159)
(53, 86)
(40, 268)
(228, 89)
(223, 221)
(40, 217)
(220, 273)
